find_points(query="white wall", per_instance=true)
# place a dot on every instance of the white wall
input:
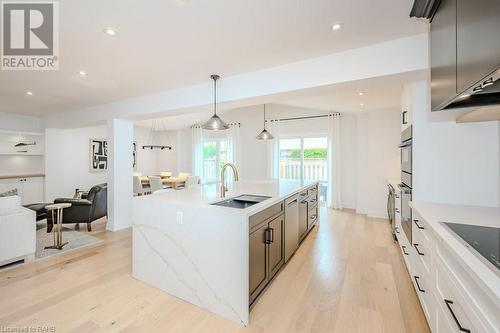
(120, 189)
(453, 163)
(369, 150)
(67, 165)
(166, 160)
(19, 122)
(16, 164)
(378, 159)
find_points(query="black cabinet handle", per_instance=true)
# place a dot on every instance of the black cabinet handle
(267, 236)
(418, 225)
(448, 305)
(397, 230)
(303, 202)
(418, 285)
(404, 250)
(416, 248)
(271, 231)
(292, 202)
(397, 210)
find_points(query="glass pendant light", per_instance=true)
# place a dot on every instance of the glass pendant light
(215, 123)
(264, 135)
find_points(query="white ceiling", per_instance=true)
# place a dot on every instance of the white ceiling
(380, 93)
(164, 44)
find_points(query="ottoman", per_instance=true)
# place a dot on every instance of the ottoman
(39, 209)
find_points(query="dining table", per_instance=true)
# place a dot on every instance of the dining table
(173, 182)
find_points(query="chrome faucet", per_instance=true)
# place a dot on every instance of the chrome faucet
(223, 186)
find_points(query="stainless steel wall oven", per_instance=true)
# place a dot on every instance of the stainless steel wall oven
(406, 181)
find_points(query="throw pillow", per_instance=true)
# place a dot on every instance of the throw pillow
(9, 193)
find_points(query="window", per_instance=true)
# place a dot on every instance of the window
(305, 158)
(214, 157)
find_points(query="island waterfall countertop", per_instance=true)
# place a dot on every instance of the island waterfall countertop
(200, 252)
(206, 195)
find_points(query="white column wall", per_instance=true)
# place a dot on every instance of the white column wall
(453, 163)
(120, 139)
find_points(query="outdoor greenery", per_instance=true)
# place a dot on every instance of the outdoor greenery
(310, 153)
(209, 150)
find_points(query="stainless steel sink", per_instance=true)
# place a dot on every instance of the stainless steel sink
(242, 201)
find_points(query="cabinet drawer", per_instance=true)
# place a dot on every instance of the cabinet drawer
(443, 322)
(313, 217)
(312, 191)
(312, 201)
(458, 306)
(423, 288)
(422, 230)
(265, 214)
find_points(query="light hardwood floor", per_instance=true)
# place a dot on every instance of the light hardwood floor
(348, 276)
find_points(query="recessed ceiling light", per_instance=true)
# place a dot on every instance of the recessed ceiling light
(29, 93)
(110, 31)
(336, 26)
(361, 93)
(361, 104)
(82, 73)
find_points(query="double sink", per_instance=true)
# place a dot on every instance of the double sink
(242, 201)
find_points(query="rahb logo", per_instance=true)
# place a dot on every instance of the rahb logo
(30, 35)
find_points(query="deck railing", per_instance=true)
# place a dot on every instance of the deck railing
(314, 168)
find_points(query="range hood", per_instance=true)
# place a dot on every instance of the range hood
(424, 8)
(484, 93)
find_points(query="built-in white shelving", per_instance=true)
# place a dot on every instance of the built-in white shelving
(9, 138)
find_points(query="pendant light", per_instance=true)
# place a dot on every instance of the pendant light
(158, 137)
(215, 123)
(264, 135)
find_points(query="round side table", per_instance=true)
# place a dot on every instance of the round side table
(57, 210)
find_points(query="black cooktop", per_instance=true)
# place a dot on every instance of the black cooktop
(485, 240)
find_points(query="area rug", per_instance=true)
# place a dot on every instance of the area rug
(76, 239)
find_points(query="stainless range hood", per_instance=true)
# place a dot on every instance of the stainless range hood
(484, 93)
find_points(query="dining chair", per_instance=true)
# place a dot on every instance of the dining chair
(183, 175)
(165, 174)
(192, 181)
(155, 183)
(139, 188)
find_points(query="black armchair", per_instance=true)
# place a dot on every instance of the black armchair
(93, 207)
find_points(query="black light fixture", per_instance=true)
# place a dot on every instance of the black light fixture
(215, 123)
(155, 140)
(265, 135)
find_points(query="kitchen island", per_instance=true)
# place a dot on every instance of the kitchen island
(190, 248)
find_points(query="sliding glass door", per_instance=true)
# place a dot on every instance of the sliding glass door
(214, 157)
(305, 158)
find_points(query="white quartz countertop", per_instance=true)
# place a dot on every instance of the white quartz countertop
(486, 275)
(204, 195)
